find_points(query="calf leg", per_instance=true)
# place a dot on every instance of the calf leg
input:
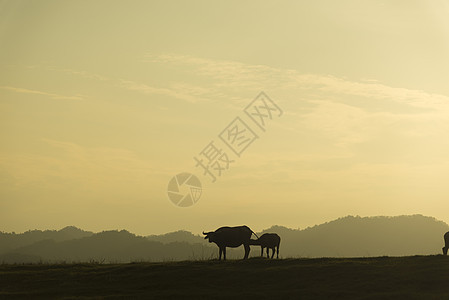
(224, 253)
(272, 254)
(268, 253)
(261, 251)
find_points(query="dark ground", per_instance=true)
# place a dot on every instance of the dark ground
(417, 277)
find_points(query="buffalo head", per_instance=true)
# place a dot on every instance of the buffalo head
(210, 236)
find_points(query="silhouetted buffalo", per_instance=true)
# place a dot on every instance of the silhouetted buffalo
(230, 237)
(446, 243)
(269, 241)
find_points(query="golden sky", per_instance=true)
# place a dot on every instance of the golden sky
(103, 102)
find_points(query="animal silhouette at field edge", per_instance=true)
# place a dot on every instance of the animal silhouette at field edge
(269, 241)
(230, 237)
(446, 243)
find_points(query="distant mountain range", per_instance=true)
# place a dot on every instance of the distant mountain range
(345, 237)
(178, 236)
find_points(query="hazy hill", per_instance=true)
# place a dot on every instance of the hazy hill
(345, 237)
(177, 236)
(11, 241)
(110, 246)
(368, 236)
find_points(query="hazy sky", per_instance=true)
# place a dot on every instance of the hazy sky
(103, 102)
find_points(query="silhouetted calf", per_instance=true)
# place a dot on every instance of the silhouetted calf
(269, 241)
(230, 237)
(446, 243)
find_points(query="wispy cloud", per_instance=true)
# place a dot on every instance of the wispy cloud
(240, 75)
(345, 111)
(184, 90)
(41, 93)
(189, 93)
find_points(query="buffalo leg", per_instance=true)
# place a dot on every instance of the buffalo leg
(268, 252)
(220, 251)
(277, 252)
(446, 243)
(273, 249)
(224, 253)
(247, 249)
(261, 251)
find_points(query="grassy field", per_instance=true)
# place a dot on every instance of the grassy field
(417, 277)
